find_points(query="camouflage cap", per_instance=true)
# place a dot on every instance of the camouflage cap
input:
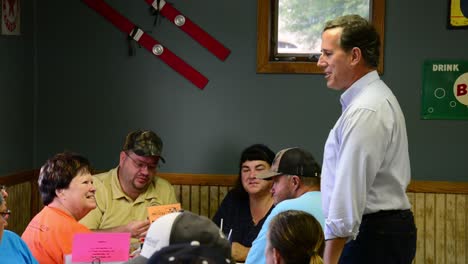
(144, 143)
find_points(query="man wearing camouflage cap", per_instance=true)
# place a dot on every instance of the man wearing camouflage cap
(124, 193)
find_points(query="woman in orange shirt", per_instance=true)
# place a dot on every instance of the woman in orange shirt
(67, 192)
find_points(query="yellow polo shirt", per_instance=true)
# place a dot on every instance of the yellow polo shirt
(115, 208)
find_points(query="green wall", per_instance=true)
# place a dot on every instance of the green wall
(90, 93)
(17, 88)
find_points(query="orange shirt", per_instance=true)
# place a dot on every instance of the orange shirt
(49, 235)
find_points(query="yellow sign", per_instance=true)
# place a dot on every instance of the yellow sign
(458, 13)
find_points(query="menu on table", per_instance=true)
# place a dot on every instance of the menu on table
(100, 247)
(154, 212)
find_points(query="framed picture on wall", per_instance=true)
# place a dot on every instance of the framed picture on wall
(458, 14)
(11, 17)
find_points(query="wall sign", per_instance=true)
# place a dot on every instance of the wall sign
(445, 89)
(458, 14)
(11, 13)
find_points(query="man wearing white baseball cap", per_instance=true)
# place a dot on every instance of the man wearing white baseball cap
(182, 237)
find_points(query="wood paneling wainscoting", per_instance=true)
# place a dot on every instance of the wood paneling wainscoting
(441, 215)
(440, 209)
(23, 198)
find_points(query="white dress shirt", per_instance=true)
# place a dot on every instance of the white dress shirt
(366, 165)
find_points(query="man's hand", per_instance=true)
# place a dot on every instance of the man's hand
(138, 229)
(239, 252)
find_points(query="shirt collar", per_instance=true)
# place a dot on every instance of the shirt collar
(60, 211)
(356, 88)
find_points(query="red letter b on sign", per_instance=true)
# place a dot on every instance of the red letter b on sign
(461, 89)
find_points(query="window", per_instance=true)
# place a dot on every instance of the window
(286, 51)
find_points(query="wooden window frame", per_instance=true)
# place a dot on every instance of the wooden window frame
(264, 46)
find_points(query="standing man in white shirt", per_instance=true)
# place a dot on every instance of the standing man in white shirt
(366, 167)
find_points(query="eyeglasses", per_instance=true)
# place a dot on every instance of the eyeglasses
(5, 214)
(141, 165)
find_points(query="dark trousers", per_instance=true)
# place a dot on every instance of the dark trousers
(384, 237)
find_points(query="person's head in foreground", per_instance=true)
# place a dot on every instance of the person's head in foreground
(184, 237)
(350, 49)
(3, 191)
(294, 237)
(65, 182)
(4, 194)
(254, 159)
(3, 216)
(139, 160)
(294, 172)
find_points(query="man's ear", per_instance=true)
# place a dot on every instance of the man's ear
(122, 157)
(296, 182)
(356, 56)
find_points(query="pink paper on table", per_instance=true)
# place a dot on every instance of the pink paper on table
(106, 247)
